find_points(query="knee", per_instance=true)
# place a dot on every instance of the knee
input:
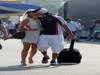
(25, 49)
(34, 47)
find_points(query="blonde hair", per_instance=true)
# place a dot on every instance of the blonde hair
(25, 16)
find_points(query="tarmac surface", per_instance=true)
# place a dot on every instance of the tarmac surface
(10, 60)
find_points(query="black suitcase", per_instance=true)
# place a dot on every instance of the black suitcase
(69, 55)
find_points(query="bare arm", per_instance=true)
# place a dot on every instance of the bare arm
(24, 25)
(70, 36)
(66, 28)
(63, 24)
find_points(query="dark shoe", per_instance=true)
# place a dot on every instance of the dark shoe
(45, 60)
(53, 62)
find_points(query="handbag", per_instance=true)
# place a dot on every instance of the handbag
(19, 35)
(0, 46)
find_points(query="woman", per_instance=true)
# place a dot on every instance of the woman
(31, 25)
(5, 32)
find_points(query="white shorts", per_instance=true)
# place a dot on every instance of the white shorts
(56, 42)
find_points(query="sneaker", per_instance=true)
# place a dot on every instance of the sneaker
(53, 62)
(45, 60)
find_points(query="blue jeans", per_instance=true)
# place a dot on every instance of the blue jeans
(77, 35)
(90, 35)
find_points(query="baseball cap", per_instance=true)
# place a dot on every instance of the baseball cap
(43, 10)
(31, 10)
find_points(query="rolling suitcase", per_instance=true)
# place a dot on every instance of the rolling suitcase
(69, 55)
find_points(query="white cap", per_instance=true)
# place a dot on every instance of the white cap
(29, 10)
(43, 10)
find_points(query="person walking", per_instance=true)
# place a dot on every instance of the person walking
(78, 30)
(4, 30)
(74, 26)
(51, 35)
(31, 25)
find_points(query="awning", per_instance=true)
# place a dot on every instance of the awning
(12, 8)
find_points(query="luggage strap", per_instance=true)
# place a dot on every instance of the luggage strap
(71, 45)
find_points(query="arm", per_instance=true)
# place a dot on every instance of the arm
(71, 36)
(66, 28)
(24, 25)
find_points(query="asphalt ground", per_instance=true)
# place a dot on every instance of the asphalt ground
(10, 60)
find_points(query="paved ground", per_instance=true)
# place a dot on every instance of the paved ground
(10, 60)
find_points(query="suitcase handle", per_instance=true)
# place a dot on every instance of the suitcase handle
(71, 45)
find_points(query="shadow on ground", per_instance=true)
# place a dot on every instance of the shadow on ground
(97, 42)
(35, 67)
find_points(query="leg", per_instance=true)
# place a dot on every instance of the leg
(24, 52)
(44, 53)
(78, 36)
(89, 35)
(54, 57)
(43, 46)
(45, 58)
(32, 52)
(57, 44)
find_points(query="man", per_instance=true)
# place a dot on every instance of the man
(51, 35)
(75, 27)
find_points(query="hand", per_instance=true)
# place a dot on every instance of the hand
(5, 37)
(71, 37)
